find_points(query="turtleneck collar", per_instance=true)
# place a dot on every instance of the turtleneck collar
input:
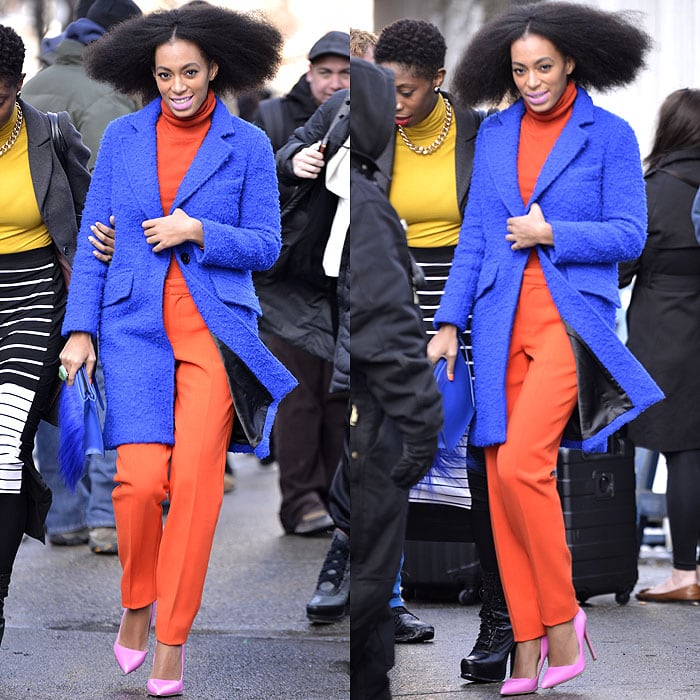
(564, 104)
(432, 125)
(202, 115)
(6, 128)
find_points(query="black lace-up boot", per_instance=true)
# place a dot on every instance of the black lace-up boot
(488, 659)
(330, 600)
(4, 586)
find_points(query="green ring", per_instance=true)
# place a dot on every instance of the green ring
(62, 374)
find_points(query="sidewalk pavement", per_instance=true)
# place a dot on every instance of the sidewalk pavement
(646, 651)
(251, 639)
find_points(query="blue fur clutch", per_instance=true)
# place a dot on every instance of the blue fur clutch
(457, 400)
(79, 427)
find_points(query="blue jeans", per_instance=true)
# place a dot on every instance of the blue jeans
(91, 504)
(396, 599)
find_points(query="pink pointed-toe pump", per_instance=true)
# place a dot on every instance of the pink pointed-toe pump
(524, 686)
(130, 659)
(167, 688)
(560, 674)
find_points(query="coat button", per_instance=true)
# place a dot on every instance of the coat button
(66, 250)
(185, 257)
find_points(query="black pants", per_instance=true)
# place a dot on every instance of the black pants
(377, 528)
(308, 433)
(683, 506)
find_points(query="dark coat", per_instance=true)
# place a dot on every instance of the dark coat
(663, 318)
(297, 309)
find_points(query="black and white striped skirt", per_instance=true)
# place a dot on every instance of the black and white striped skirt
(32, 303)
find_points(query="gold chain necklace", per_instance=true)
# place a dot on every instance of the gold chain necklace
(15, 132)
(427, 150)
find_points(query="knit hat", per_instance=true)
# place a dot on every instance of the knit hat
(335, 43)
(107, 13)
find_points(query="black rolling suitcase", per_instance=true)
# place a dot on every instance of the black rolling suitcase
(440, 561)
(600, 515)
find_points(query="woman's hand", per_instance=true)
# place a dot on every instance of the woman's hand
(78, 351)
(169, 231)
(103, 240)
(308, 162)
(445, 344)
(529, 230)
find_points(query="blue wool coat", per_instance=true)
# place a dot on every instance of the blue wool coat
(231, 188)
(591, 191)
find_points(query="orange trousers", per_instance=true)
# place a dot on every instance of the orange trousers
(168, 563)
(526, 513)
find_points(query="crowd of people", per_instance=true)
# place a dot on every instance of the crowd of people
(283, 284)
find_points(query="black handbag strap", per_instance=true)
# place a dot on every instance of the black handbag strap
(59, 141)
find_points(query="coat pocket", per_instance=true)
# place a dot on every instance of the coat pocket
(117, 287)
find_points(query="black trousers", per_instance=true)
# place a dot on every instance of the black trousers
(683, 506)
(308, 433)
(377, 529)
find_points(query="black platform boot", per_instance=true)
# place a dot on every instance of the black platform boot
(4, 586)
(488, 659)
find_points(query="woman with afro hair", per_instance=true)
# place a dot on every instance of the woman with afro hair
(194, 197)
(557, 201)
(430, 161)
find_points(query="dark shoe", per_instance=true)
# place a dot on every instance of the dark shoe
(330, 600)
(488, 659)
(685, 594)
(70, 539)
(408, 628)
(314, 523)
(4, 586)
(103, 540)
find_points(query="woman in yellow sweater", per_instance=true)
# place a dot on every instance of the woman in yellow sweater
(38, 227)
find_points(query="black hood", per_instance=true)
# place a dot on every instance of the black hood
(372, 111)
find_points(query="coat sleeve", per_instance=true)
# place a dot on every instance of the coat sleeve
(87, 280)
(387, 341)
(255, 242)
(77, 156)
(620, 232)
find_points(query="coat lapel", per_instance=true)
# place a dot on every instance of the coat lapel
(210, 157)
(138, 157)
(39, 152)
(501, 136)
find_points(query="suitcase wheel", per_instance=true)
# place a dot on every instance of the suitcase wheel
(623, 597)
(468, 596)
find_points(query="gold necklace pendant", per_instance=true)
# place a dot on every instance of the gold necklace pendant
(427, 150)
(15, 132)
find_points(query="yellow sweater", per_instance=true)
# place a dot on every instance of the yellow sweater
(21, 225)
(424, 187)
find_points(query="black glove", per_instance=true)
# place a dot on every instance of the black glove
(416, 460)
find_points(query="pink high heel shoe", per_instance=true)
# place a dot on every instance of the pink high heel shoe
(167, 688)
(523, 686)
(560, 674)
(130, 659)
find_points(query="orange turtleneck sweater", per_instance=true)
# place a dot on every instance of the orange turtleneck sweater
(538, 133)
(177, 143)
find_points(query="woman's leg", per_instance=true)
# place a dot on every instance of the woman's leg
(203, 423)
(683, 507)
(533, 557)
